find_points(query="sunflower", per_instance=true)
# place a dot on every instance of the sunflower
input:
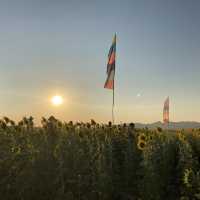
(181, 136)
(142, 137)
(141, 144)
(187, 177)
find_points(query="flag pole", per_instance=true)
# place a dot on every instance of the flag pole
(113, 105)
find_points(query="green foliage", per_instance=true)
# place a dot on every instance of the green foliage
(94, 161)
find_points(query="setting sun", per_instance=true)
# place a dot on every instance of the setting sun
(57, 100)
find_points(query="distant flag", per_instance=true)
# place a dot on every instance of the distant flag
(166, 111)
(109, 84)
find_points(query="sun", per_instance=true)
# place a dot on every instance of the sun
(57, 100)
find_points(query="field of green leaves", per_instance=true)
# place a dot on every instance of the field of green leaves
(90, 161)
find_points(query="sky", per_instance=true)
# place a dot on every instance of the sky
(60, 47)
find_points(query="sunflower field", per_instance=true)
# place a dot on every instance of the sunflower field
(91, 161)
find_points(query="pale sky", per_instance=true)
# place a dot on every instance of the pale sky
(51, 47)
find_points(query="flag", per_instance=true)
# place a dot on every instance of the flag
(109, 84)
(166, 111)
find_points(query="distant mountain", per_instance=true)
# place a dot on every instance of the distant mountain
(172, 125)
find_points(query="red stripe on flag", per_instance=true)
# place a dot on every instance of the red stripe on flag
(109, 84)
(112, 58)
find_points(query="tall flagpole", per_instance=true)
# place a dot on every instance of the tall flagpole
(109, 84)
(113, 105)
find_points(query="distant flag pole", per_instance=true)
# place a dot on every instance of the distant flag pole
(110, 81)
(166, 112)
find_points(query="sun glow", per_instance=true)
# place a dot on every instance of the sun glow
(57, 100)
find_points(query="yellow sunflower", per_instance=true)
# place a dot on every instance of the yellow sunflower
(187, 177)
(142, 137)
(141, 144)
(181, 136)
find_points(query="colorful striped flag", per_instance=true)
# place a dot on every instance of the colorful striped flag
(109, 84)
(166, 111)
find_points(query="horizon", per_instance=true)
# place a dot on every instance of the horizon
(38, 121)
(51, 48)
